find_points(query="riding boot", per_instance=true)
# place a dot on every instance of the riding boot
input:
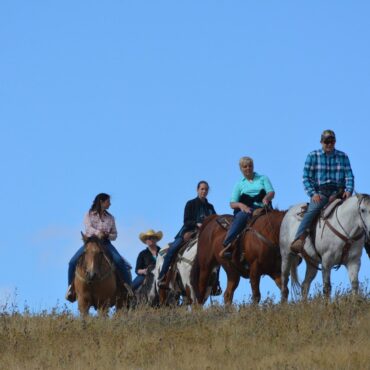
(216, 286)
(297, 245)
(71, 293)
(226, 252)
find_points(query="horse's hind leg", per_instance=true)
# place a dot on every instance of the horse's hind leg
(311, 272)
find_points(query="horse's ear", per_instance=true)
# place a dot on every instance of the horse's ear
(84, 237)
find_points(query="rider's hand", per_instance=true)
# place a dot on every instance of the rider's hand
(199, 225)
(346, 195)
(265, 201)
(100, 235)
(245, 208)
(316, 198)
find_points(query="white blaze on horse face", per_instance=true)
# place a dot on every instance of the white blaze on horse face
(91, 258)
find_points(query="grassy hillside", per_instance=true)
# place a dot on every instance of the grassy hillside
(315, 335)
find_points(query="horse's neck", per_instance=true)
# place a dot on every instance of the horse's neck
(346, 216)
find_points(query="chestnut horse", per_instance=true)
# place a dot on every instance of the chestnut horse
(96, 281)
(257, 247)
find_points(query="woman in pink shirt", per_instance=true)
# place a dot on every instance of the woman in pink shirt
(99, 222)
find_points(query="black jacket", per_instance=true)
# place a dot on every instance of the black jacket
(145, 259)
(195, 212)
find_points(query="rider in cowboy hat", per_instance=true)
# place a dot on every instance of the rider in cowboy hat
(147, 256)
(327, 173)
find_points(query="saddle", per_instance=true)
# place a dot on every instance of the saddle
(325, 212)
(190, 239)
(225, 221)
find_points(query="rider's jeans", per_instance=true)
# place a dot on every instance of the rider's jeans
(138, 281)
(122, 265)
(239, 222)
(312, 211)
(174, 247)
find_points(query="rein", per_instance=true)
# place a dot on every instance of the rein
(261, 237)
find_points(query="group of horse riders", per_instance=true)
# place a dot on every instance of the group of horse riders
(327, 175)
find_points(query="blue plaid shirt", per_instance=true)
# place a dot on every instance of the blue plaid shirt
(327, 169)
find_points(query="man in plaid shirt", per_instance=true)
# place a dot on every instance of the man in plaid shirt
(327, 173)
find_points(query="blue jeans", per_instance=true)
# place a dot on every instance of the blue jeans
(138, 281)
(239, 222)
(122, 265)
(174, 247)
(312, 211)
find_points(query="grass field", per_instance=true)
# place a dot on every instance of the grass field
(313, 335)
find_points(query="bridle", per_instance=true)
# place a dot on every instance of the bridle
(111, 270)
(366, 230)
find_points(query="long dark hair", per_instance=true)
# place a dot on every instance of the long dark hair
(96, 206)
(202, 182)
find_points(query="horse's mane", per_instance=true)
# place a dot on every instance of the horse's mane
(207, 221)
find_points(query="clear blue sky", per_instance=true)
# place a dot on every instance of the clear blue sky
(142, 99)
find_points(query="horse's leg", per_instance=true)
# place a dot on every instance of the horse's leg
(204, 275)
(326, 280)
(286, 262)
(353, 267)
(311, 272)
(83, 305)
(255, 277)
(233, 279)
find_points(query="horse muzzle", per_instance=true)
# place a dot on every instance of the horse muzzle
(91, 276)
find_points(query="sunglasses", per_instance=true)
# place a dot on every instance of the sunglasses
(151, 238)
(327, 142)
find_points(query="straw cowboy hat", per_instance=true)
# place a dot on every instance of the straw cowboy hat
(158, 235)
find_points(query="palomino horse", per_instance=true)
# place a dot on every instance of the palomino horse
(258, 247)
(178, 285)
(338, 240)
(96, 281)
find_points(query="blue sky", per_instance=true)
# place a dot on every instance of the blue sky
(143, 99)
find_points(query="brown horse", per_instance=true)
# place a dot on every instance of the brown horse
(258, 248)
(96, 281)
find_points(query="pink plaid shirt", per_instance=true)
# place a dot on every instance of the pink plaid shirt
(106, 224)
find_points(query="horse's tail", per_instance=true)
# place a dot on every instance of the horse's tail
(295, 284)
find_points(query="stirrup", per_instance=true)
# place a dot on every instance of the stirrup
(162, 281)
(71, 294)
(225, 252)
(129, 290)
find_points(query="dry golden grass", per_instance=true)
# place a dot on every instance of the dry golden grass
(312, 335)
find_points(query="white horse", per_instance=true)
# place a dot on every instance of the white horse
(179, 285)
(337, 240)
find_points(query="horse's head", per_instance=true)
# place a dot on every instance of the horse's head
(363, 201)
(93, 257)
